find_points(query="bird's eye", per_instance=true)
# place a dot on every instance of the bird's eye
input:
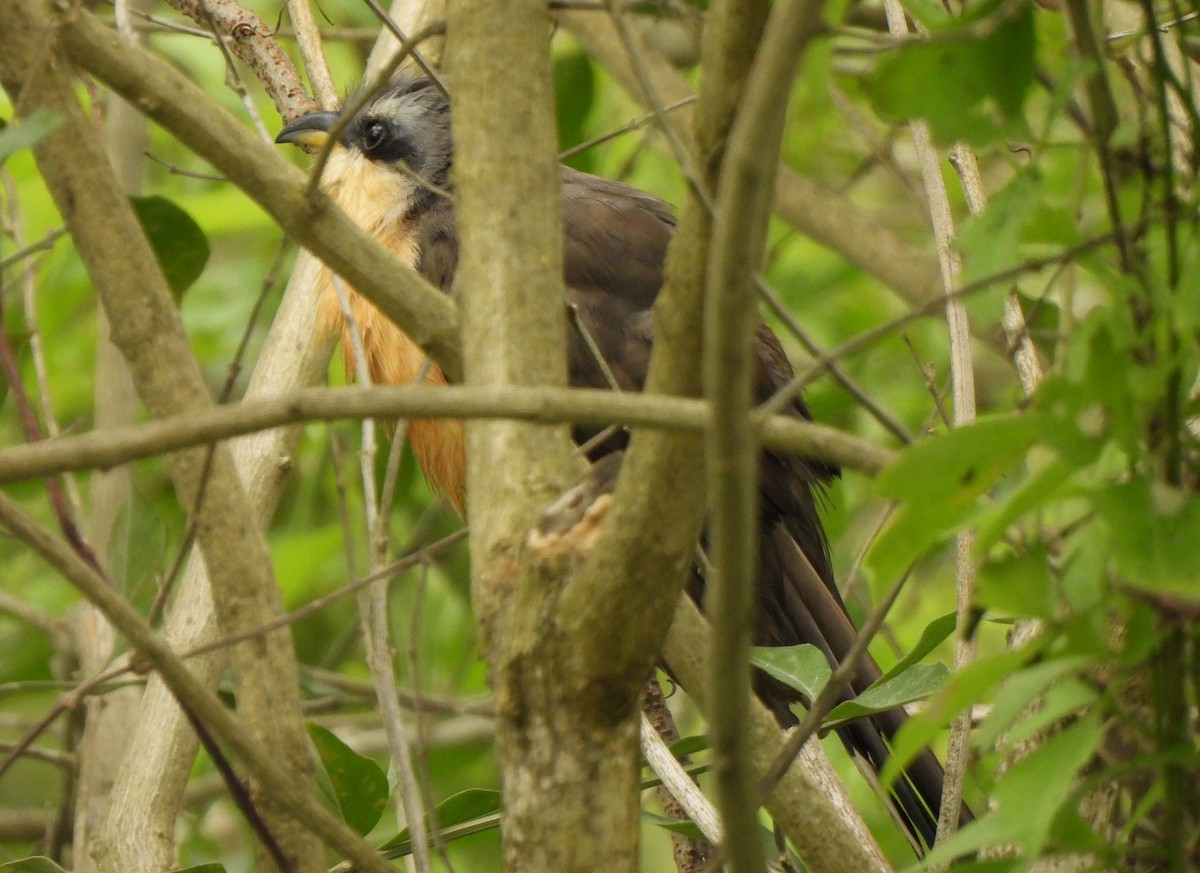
(375, 134)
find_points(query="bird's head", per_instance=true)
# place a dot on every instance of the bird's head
(399, 141)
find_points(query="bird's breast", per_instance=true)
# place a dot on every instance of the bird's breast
(377, 202)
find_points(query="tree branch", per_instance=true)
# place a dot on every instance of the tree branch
(114, 446)
(744, 203)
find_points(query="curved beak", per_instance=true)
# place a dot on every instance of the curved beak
(309, 130)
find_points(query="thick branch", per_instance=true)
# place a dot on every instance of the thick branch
(567, 749)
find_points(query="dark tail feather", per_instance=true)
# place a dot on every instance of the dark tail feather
(802, 605)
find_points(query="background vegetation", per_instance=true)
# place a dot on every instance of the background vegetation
(1070, 499)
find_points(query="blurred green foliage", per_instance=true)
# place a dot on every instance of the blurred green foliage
(1082, 496)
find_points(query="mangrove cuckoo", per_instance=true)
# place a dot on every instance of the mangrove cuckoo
(391, 171)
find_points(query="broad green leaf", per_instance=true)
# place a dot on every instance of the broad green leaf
(179, 244)
(360, 785)
(468, 812)
(990, 240)
(964, 688)
(1051, 225)
(1084, 581)
(1017, 586)
(1049, 476)
(1153, 532)
(916, 683)
(1031, 791)
(676, 826)
(946, 79)
(28, 132)
(959, 464)
(936, 631)
(37, 864)
(801, 667)
(202, 868)
(1030, 796)
(941, 478)
(1020, 691)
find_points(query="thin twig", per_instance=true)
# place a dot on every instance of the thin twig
(238, 791)
(629, 126)
(962, 376)
(308, 40)
(652, 99)
(681, 786)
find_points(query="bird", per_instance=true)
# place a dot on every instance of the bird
(391, 171)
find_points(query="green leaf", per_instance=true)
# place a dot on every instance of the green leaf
(916, 683)
(962, 463)
(1017, 585)
(202, 868)
(1018, 694)
(37, 864)
(360, 785)
(574, 93)
(941, 478)
(28, 132)
(468, 812)
(936, 631)
(676, 826)
(963, 689)
(689, 745)
(946, 79)
(1030, 792)
(990, 240)
(804, 668)
(1153, 532)
(179, 244)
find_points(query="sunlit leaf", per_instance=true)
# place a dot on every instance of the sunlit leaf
(1017, 585)
(965, 687)
(945, 79)
(1153, 532)
(1014, 699)
(916, 683)
(931, 637)
(804, 668)
(941, 478)
(468, 812)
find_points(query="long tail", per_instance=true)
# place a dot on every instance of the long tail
(801, 605)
